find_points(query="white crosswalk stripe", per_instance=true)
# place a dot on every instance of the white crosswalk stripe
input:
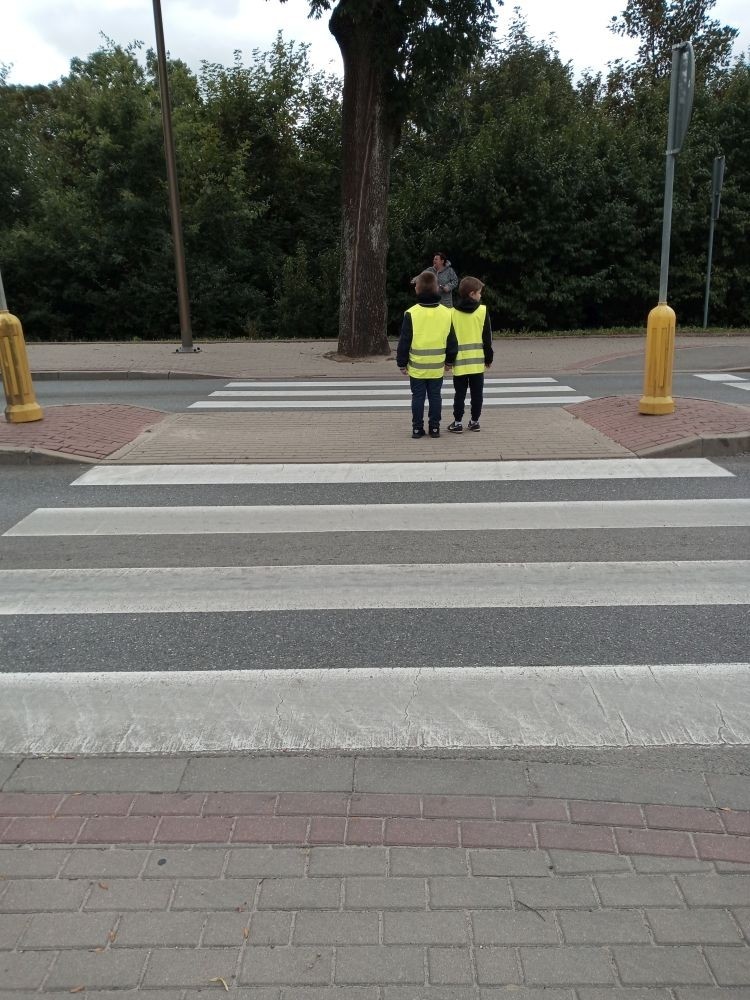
(373, 394)
(300, 688)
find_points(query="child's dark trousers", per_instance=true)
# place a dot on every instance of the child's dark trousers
(475, 384)
(432, 389)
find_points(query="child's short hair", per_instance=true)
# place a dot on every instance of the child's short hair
(467, 285)
(426, 283)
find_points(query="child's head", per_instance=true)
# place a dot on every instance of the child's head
(470, 288)
(426, 283)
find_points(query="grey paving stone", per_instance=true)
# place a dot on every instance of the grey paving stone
(378, 966)
(732, 791)
(197, 862)
(232, 929)
(270, 928)
(732, 866)
(428, 861)
(619, 784)
(514, 927)
(710, 993)
(293, 966)
(555, 893)
(647, 865)
(11, 927)
(510, 862)
(31, 862)
(266, 862)
(190, 967)
(95, 995)
(330, 993)
(25, 971)
(98, 774)
(384, 893)
(604, 927)
(496, 966)
(575, 862)
(214, 894)
(624, 993)
(574, 965)
(641, 965)
(450, 966)
(238, 993)
(527, 993)
(425, 928)
(440, 777)
(68, 930)
(41, 896)
(637, 890)
(300, 894)
(337, 928)
(7, 766)
(693, 926)
(742, 916)
(129, 894)
(715, 890)
(113, 862)
(159, 930)
(432, 993)
(107, 970)
(347, 861)
(268, 774)
(468, 893)
(730, 966)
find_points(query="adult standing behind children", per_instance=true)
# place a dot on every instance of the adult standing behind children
(426, 348)
(471, 323)
(446, 276)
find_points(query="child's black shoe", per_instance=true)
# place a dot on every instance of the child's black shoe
(456, 427)
(417, 432)
(474, 425)
(434, 432)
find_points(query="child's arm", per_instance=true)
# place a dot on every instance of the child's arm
(404, 343)
(489, 352)
(451, 349)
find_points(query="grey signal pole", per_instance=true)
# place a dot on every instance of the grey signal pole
(3, 302)
(183, 298)
(716, 186)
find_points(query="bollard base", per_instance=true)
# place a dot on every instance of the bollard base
(656, 405)
(23, 413)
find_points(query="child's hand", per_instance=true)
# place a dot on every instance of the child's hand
(488, 366)
(448, 369)
(403, 371)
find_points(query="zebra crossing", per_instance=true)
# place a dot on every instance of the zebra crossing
(725, 378)
(376, 394)
(378, 606)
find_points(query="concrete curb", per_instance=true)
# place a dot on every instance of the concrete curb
(701, 447)
(12, 455)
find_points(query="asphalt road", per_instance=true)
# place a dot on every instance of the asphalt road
(176, 395)
(375, 638)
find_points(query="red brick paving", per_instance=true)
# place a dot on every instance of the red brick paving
(89, 431)
(404, 820)
(619, 419)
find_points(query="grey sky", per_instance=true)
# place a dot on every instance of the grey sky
(39, 37)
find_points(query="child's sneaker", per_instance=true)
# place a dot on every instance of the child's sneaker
(417, 432)
(474, 425)
(456, 427)
(434, 432)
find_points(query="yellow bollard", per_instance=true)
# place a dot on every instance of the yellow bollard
(657, 376)
(14, 366)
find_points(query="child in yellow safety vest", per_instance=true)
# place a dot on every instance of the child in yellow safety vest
(426, 350)
(471, 323)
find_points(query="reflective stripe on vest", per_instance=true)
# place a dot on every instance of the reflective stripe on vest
(430, 328)
(468, 327)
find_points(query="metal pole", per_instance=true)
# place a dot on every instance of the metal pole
(708, 271)
(183, 298)
(3, 302)
(666, 231)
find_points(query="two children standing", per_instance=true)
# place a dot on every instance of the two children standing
(436, 340)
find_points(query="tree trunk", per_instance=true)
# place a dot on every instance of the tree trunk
(368, 142)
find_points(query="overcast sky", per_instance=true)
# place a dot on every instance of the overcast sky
(39, 37)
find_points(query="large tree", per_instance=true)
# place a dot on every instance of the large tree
(398, 55)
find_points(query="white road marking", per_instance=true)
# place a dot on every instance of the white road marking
(718, 377)
(371, 384)
(400, 472)
(385, 517)
(170, 590)
(366, 404)
(356, 393)
(739, 385)
(705, 704)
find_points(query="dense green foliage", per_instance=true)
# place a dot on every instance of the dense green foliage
(547, 187)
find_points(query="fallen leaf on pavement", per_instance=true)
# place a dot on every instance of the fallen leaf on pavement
(218, 979)
(246, 932)
(77, 989)
(102, 885)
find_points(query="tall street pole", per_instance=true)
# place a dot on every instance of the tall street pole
(183, 298)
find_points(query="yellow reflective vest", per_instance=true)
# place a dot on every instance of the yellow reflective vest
(468, 328)
(431, 326)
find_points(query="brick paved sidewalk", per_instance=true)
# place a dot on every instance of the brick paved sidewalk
(372, 878)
